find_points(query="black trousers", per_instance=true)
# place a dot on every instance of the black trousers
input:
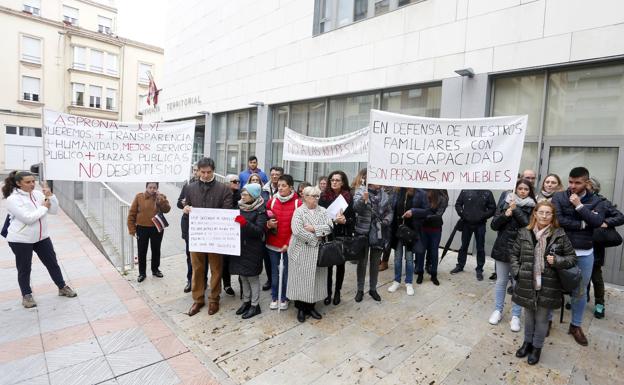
(23, 260)
(340, 273)
(225, 272)
(148, 237)
(305, 306)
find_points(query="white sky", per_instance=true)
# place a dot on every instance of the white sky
(142, 20)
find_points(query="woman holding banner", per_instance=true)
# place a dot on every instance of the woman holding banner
(142, 223)
(343, 225)
(248, 265)
(307, 283)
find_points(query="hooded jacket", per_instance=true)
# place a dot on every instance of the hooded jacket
(29, 223)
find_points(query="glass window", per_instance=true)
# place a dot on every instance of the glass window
(381, 6)
(220, 159)
(520, 95)
(529, 157)
(142, 104)
(308, 118)
(144, 70)
(220, 127)
(280, 121)
(11, 130)
(95, 97)
(416, 101)
(277, 152)
(70, 15)
(31, 49)
(406, 2)
(30, 131)
(111, 64)
(78, 94)
(96, 63)
(105, 25)
(345, 12)
(80, 58)
(238, 124)
(30, 88)
(361, 10)
(32, 7)
(111, 99)
(253, 127)
(350, 113)
(586, 101)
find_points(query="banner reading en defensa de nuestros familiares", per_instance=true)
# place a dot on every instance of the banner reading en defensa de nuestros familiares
(78, 148)
(412, 151)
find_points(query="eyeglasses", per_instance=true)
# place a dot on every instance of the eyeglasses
(315, 196)
(336, 180)
(235, 181)
(544, 213)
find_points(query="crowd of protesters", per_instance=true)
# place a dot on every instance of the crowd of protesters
(542, 234)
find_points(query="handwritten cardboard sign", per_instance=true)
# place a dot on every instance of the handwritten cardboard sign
(94, 150)
(214, 231)
(412, 151)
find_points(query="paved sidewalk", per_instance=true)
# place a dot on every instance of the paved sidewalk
(107, 335)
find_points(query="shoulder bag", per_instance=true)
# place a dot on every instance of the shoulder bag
(329, 253)
(607, 237)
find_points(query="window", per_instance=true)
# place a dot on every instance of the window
(70, 15)
(30, 131)
(111, 64)
(111, 99)
(31, 49)
(381, 6)
(33, 7)
(30, 88)
(11, 130)
(78, 94)
(105, 25)
(414, 101)
(144, 70)
(80, 58)
(235, 137)
(96, 63)
(142, 104)
(95, 96)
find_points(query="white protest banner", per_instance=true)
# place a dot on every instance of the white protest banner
(214, 231)
(94, 150)
(351, 147)
(412, 151)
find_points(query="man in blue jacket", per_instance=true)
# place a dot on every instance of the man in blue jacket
(252, 168)
(579, 212)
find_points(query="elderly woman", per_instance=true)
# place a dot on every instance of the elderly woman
(307, 283)
(144, 207)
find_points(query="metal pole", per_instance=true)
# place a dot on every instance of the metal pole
(102, 221)
(279, 285)
(122, 249)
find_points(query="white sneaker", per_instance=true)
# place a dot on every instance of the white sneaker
(410, 289)
(495, 317)
(273, 305)
(514, 324)
(284, 305)
(394, 287)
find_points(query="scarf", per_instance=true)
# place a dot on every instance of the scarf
(250, 206)
(329, 195)
(540, 248)
(548, 195)
(284, 199)
(521, 202)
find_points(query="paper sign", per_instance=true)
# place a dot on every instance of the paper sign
(338, 204)
(214, 231)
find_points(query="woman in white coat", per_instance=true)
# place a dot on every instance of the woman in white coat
(28, 231)
(307, 283)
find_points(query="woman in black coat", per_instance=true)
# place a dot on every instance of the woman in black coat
(248, 266)
(538, 252)
(338, 185)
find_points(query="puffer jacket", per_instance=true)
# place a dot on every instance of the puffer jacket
(508, 228)
(368, 223)
(475, 207)
(249, 263)
(522, 260)
(434, 219)
(283, 214)
(29, 223)
(579, 224)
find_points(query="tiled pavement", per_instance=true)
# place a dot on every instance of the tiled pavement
(107, 335)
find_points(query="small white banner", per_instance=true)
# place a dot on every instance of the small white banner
(95, 150)
(412, 151)
(351, 147)
(214, 231)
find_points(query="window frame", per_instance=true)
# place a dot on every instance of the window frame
(95, 68)
(114, 100)
(103, 28)
(97, 100)
(69, 18)
(24, 57)
(140, 80)
(74, 94)
(33, 96)
(28, 6)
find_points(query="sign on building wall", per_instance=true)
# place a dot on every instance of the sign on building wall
(219, 223)
(88, 149)
(351, 147)
(412, 151)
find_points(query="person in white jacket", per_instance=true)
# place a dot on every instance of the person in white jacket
(28, 231)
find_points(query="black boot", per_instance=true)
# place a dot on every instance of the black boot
(419, 278)
(359, 296)
(534, 356)
(301, 316)
(525, 349)
(375, 295)
(434, 279)
(327, 299)
(244, 307)
(337, 297)
(252, 311)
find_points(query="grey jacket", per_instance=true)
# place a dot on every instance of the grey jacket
(373, 217)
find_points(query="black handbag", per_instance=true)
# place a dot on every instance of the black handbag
(569, 278)
(354, 247)
(607, 237)
(405, 233)
(330, 253)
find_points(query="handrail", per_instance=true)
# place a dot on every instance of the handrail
(115, 194)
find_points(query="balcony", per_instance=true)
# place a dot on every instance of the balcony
(31, 10)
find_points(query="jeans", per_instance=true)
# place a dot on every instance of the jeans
(251, 289)
(535, 326)
(431, 243)
(579, 297)
(398, 263)
(374, 255)
(500, 290)
(148, 236)
(479, 233)
(275, 260)
(23, 261)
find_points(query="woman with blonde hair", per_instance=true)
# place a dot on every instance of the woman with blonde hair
(550, 185)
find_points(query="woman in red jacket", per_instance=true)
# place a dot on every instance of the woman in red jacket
(280, 210)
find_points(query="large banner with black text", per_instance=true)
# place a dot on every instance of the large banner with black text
(78, 148)
(350, 147)
(413, 151)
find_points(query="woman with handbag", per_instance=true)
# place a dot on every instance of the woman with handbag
(307, 282)
(431, 234)
(343, 225)
(540, 250)
(510, 217)
(248, 265)
(410, 209)
(141, 224)
(374, 216)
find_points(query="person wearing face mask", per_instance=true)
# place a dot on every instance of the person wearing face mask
(508, 220)
(551, 185)
(28, 231)
(143, 208)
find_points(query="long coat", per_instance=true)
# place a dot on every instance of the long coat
(306, 281)
(249, 263)
(508, 228)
